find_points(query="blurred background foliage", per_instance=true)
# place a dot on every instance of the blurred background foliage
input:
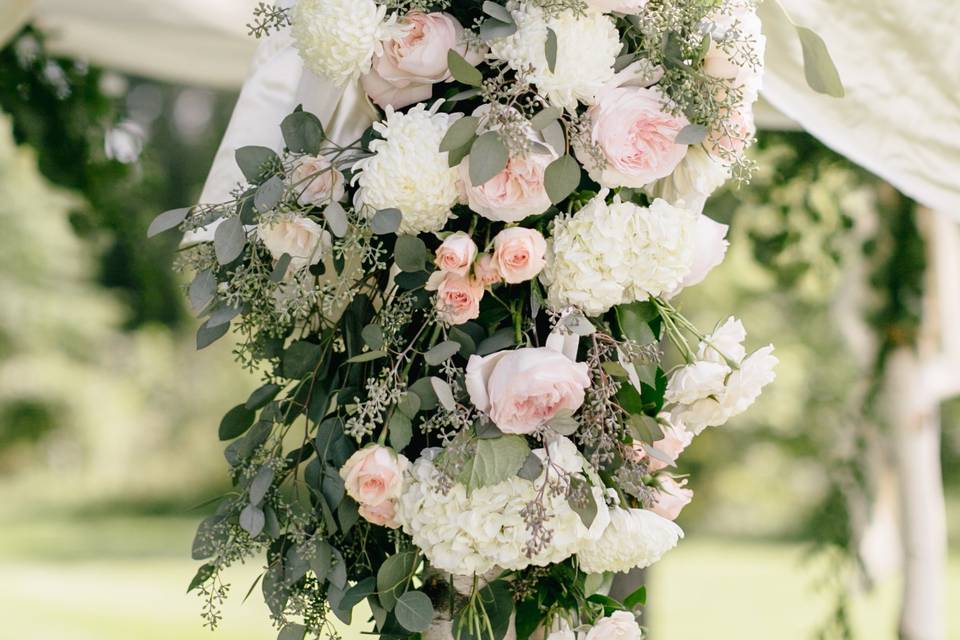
(108, 415)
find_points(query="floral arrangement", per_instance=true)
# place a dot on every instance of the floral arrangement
(466, 421)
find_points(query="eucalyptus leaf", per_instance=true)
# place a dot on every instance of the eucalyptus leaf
(441, 352)
(321, 562)
(502, 339)
(372, 335)
(275, 591)
(252, 520)
(202, 290)
(488, 157)
(386, 221)
(262, 395)
(462, 132)
(583, 502)
(497, 11)
(348, 513)
(545, 118)
(229, 240)
(554, 135)
(336, 218)
(551, 48)
(818, 66)
(236, 422)
(269, 194)
(494, 461)
(393, 577)
(564, 423)
(409, 404)
(410, 254)
(296, 563)
(167, 220)
(280, 269)
(207, 335)
(302, 132)
(357, 593)
(367, 356)
(255, 162)
(292, 631)
(223, 314)
(561, 178)
(203, 574)
(464, 340)
(414, 611)
(209, 533)
(423, 388)
(260, 485)
(300, 359)
(401, 431)
(443, 393)
(493, 29)
(463, 71)
(532, 467)
(692, 134)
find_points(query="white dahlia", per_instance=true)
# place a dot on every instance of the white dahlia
(408, 171)
(587, 48)
(635, 539)
(338, 38)
(613, 254)
(467, 534)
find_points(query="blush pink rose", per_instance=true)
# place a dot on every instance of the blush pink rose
(412, 64)
(513, 194)
(486, 270)
(636, 134)
(671, 498)
(458, 297)
(520, 254)
(374, 475)
(523, 389)
(383, 514)
(456, 254)
(675, 439)
(317, 181)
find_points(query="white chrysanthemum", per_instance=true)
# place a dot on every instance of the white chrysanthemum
(613, 254)
(692, 182)
(338, 38)
(472, 533)
(408, 171)
(635, 539)
(587, 48)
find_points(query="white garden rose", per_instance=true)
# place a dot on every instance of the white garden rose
(746, 383)
(618, 6)
(695, 381)
(317, 182)
(725, 343)
(741, 61)
(587, 48)
(620, 625)
(408, 171)
(692, 181)
(635, 539)
(338, 38)
(305, 241)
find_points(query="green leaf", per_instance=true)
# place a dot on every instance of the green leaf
(423, 388)
(496, 599)
(497, 11)
(561, 178)
(401, 431)
(256, 162)
(441, 352)
(336, 218)
(818, 66)
(495, 29)
(207, 335)
(692, 134)
(167, 220)
(409, 404)
(555, 136)
(502, 339)
(368, 356)
(348, 513)
(414, 611)
(551, 49)
(462, 338)
(275, 591)
(443, 393)
(410, 254)
(488, 157)
(564, 423)
(494, 461)
(532, 467)
(372, 335)
(455, 157)
(223, 314)
(645, 429)
(236, 422)
(252, 520)
(269, 194)
(302, 132)
(280, 269)
(202, 290)
(209, 533)
(356, 594)
(229, 240)
(259, 398)
(394, 576)
(203, 574)
(296, 563)
(460, 133)
(300, 359)
(386, 221)
(463, 71)
(545, 118)
(634, 320)
(321, 562)
(292, 631)
(260, 485)
(582, 502)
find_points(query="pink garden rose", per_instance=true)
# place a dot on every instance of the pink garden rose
(523, 389)
(412, 64)
(458, 297)
(520, 254)
(317, 182)
(514, 193)
(636, 134)
(373, 476)
(299, 237)
(486, 270)
(675, 439)
(621, 625)
(671, 498)
(384, 514)
(456, 254)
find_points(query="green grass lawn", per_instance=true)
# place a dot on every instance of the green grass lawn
(124, 579)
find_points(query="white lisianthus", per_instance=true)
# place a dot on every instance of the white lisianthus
(408, 171)
(635, 539)
(725, 343)
(471, 533)
(692, 181)
(694, 381)
(613, 254)
(587, 48)
(301, 238)
(338, 38)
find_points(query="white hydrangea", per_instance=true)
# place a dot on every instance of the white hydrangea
(467, 534)
(635, 539)
(408, 171)
(587, 48)
(338, 38)
(723, 382)
(606, 255)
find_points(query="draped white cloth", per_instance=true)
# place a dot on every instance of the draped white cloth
(899, 62)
